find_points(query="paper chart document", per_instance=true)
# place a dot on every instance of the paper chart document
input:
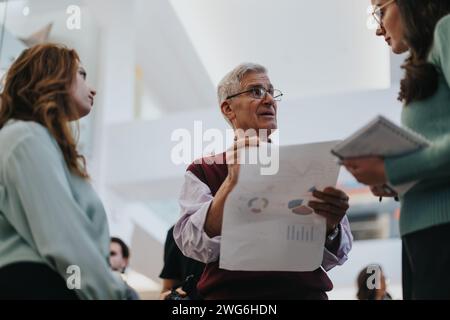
(267, 225)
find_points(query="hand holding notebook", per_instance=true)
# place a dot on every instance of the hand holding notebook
(382, 138)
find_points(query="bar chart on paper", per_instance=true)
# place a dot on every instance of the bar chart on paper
(301, 232)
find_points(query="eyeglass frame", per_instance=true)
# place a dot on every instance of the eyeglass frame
(377, 8)
(259, 87)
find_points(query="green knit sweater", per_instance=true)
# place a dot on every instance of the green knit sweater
(51, 216)
(428, 203)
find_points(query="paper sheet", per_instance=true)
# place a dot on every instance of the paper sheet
(266, 225)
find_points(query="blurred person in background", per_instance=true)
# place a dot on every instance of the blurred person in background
(179, 273)
(119, 259)
(372, 284)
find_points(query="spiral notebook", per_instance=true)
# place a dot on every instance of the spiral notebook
(380, 137)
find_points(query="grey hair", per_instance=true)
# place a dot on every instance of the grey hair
(231, 83)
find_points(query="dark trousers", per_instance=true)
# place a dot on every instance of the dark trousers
(33, 281)
(426, 264)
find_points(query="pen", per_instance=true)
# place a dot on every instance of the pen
(386, 189)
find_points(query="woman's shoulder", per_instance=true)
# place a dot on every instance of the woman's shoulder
(20, 128)
(16, 132)
(443, 24)
(441, 42)
(442, 31)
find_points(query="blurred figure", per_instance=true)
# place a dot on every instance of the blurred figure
(372, 284)
(179, 273)
(119, 257)
(53, 229)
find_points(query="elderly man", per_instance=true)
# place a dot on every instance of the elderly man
(248, 101)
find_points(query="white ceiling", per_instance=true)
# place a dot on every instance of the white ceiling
(185, 47)
(172, 70)
(310, 47)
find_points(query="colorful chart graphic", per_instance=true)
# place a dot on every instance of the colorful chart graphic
(298, 207)
(257, 205)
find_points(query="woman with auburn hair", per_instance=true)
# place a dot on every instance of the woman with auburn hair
(54, 237)
(423, 28)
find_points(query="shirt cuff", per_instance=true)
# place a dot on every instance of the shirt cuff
(330, 260)
(196, 244)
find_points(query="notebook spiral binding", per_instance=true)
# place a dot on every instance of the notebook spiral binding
(401, 132)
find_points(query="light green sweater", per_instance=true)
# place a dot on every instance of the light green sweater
(428, 203)
(48, 215)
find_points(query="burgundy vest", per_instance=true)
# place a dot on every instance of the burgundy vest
(216, 283)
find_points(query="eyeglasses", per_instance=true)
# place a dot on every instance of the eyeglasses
(260, 93)
(377, 12)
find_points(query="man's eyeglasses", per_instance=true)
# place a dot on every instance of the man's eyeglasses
(377, 12)
(260, 93)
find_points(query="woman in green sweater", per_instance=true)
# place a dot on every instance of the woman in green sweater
(423, 26)
(54, 239)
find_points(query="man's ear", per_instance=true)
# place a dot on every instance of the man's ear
(227, 111)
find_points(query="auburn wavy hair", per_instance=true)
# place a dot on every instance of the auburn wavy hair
(420, 18)
(38, 88)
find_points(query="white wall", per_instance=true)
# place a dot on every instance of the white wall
(312, 47)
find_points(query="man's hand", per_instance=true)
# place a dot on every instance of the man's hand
(369, 170)
(233, 158)
(214, 218)
(333, 206)
(166, 294)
